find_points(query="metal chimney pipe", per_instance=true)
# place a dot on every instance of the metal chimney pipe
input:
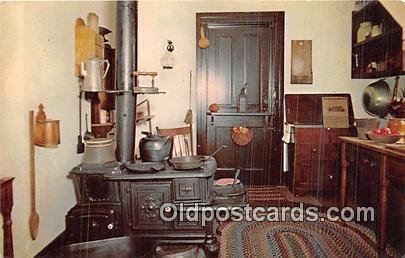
(126, 38)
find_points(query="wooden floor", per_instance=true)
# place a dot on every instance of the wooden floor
(309, 199)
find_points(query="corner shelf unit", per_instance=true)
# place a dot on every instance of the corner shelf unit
(377, 56)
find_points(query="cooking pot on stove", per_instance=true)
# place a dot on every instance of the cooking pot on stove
(155, 147)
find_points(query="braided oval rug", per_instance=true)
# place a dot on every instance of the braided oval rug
(298, 239)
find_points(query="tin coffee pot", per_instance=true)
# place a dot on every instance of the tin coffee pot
(94, 72)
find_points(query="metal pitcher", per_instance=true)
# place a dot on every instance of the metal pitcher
(91, 70)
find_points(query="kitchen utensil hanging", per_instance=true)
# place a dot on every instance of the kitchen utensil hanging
(87, 135)
(377, 99)
(80, 143)
(45, 133)
(34, 217)
(189, 115)
(203, 42)
(241, 135)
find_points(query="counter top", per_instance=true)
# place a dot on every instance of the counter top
(382, 148)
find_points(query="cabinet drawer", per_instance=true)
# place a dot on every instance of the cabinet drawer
(313, 151)
(319, 135)
(311, 135)
(187, 189)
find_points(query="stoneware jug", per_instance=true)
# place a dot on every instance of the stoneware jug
(93, 75)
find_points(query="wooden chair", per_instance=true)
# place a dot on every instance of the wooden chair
(183, 139)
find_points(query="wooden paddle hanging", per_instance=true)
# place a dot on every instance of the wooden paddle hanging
(34, 217)
(45, 133)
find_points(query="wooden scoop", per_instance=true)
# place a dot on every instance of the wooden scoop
(34, 218)
(203, 42)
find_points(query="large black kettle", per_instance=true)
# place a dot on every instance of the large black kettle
(155, 147)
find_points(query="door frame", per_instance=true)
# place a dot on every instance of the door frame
(275, 80)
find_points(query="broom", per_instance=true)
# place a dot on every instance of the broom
(189, 115)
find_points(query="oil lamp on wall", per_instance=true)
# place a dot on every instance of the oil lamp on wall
(167, 60)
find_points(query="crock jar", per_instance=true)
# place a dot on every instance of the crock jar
(99, 151)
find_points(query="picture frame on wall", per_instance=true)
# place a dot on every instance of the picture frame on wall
(301, 62)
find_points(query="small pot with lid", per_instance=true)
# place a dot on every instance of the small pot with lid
(155, 148)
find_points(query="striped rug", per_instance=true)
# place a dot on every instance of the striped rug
(298, 239)
(266, 196)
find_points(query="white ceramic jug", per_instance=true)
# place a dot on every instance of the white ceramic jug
(92, 73)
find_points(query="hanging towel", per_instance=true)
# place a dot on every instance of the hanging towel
(288, 136)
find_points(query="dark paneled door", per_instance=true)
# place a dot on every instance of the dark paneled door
(246, 50)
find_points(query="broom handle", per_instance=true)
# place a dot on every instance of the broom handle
(32, 160)
(189, 104)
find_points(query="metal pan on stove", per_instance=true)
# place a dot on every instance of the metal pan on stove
(192, 162)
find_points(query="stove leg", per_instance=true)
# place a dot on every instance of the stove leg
(211, 247)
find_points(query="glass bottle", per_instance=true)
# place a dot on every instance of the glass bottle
(241, 101)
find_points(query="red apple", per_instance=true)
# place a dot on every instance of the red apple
(376, 131)
(385, 131)
(394, 132)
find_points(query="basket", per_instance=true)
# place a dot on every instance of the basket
(241, 135)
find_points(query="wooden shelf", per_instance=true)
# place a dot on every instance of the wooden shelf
(381, 37)
(384, 52)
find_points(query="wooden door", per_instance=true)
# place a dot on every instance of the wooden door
(246, 50)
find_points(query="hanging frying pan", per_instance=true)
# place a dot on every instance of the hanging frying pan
(377, 99)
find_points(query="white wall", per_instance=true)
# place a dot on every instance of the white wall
(36, 66)
(326, 23)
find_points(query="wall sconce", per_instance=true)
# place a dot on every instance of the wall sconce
(46, 131)
(167, 60)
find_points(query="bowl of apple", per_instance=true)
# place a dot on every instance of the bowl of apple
(384, 135)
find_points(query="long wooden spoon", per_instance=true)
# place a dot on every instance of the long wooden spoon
(34, 218)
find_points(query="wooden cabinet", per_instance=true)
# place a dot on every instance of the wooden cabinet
(381, 54)
(314, 158)
(362, 180)
(313, 155)
(373, 176)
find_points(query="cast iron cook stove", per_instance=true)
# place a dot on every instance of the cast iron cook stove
(115, 202)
